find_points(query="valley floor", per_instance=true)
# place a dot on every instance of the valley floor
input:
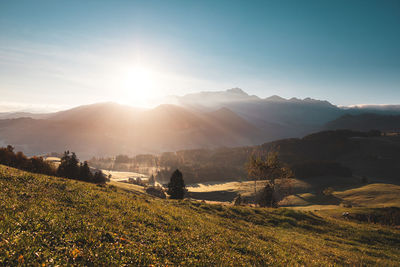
(55, 221)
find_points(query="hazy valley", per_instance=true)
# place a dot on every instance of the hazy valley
(205, 120)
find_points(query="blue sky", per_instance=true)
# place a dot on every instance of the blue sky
(55, 54)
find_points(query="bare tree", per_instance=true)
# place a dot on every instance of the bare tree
(268, 168)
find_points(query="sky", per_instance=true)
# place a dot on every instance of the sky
(57, 54)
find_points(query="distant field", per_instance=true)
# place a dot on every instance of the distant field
(227, 191)
(371, 196)
(123, 176)
(128, 187)
(308, 196)
(54, 221)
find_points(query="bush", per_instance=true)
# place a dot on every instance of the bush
(266, 198)
(137, 181)
(99, 177)
(20, 161)
(156, 191)
(328, 191)
(238, 200)
(346, 204)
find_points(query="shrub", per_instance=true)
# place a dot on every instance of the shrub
(20, 161)
(328, 191)
(99, 177)
(345, 204)
(238, 200)
(266, 198)
(156, 191)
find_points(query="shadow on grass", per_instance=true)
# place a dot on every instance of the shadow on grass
(321, 199)
(213, 196)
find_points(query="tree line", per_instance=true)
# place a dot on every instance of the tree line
(70, 167)
(316, 154)
(18, 160)
(198, 165)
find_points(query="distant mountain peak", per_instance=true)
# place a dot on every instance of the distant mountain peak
(316, 101)
(237, 90)
(275, 98)
(214, 98)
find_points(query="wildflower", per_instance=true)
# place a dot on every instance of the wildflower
(75, 253)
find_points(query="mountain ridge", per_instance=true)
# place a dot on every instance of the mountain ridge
(202, 120)
(106, 129)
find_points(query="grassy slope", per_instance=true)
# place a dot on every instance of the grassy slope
(370, 196)
(373, 195)
(53, 220)
(227, 191)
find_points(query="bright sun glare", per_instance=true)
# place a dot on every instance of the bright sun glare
(138, 86)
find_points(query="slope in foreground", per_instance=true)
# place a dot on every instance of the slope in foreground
(57, 221)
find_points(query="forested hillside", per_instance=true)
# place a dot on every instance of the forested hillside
(341, 152)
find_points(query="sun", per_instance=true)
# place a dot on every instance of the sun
(139, 78)
(138, 85)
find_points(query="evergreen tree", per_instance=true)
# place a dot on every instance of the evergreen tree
(69, 167)
(152, 180)
(84, 172)
(176, 186)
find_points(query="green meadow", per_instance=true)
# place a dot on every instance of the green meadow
(52, 221)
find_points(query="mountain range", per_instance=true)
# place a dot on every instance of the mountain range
(201, 120)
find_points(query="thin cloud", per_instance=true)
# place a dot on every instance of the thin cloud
(33, 108)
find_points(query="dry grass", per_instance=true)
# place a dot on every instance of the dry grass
(123, 176)
(54, 221)
(372, 195)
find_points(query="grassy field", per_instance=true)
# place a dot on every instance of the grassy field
(372, 195)
(369, 196)
(227, 191)
(123, 176)
(55, 221)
